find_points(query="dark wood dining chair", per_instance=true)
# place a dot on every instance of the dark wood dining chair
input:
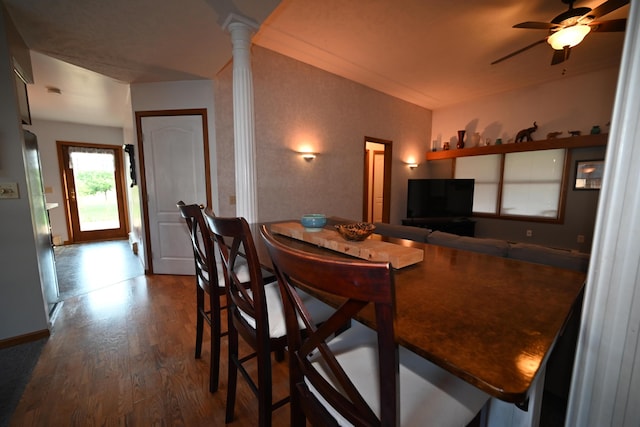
(255, 313)
(359, 377)
(209, 283)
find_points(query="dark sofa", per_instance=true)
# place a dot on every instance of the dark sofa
(539, 254)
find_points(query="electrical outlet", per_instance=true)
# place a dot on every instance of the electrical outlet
(580, 238)
(529, 233)
(9, 190)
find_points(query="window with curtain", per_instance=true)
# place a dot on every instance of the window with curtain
(486, 172)
(532, 182)
(528, 186)
(101, 158)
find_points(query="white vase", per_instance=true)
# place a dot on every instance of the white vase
(475, 139)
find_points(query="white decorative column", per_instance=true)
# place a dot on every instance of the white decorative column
(605, 388)
(241, 29)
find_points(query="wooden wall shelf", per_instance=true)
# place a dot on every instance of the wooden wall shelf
(547, 144)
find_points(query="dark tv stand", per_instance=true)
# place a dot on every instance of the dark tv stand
(453, 225)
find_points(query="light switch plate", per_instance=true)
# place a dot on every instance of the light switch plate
(9, 190)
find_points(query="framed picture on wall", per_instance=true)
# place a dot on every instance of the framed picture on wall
(589, 174)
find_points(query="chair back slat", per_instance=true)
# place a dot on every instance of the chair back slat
(357, 285)
(235, 243)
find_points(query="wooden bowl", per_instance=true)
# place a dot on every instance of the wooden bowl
(357, 231)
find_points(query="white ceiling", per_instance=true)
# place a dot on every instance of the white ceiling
(86, 96)
(430, 53)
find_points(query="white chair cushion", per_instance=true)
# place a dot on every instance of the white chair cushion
(277, 325)
(241, 268)
(242, 271)
(429, 395)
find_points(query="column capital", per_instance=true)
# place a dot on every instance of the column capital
(234, 21)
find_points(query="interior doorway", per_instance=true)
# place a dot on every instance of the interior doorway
(93, 184)
(377, 180)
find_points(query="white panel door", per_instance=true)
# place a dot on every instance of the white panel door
(174, 170)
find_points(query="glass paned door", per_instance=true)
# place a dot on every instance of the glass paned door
(94, 176)
(93, 181)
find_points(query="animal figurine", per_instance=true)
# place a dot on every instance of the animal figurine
(525, 134)
(553, 135)
(574, 132)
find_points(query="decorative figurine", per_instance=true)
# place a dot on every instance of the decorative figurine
(553, 135)
(574, 132)
(445, 146)
(595, 130)
(525, 134)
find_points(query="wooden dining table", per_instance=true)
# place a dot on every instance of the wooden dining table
(489, 320)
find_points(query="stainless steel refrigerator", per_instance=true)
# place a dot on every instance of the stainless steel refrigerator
(41, 224)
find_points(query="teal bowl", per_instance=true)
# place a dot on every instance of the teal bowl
(313, 222)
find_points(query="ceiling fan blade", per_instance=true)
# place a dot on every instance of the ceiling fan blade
(519, 51)
(613, 25)
(560, 55)
(536, 25)
(607, 7)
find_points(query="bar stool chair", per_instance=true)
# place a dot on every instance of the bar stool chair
(359, 377)
(209, 282)
(254, 313)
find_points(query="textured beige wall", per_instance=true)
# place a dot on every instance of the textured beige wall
(571, 103)
(297, 105)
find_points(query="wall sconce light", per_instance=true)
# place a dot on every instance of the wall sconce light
(308, 156)
(412, 166)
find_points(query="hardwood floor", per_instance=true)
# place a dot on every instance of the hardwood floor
(86, 267)
(124, 355)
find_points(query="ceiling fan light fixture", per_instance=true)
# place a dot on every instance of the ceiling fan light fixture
(569, 36)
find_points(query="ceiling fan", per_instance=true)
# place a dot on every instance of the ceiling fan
(569, 28)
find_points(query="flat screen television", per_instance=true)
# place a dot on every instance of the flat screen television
(442, 198)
